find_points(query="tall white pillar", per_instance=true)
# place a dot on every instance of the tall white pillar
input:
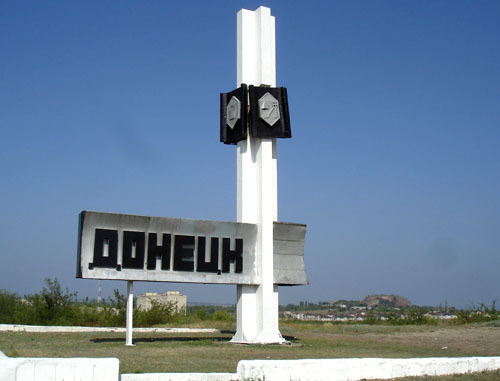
(257, 196)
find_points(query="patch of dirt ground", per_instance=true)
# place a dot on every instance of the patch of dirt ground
(478, 341)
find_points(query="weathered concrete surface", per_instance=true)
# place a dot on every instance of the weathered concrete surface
(59, 369)
(84, 369)
(39, 328)
(358, 369)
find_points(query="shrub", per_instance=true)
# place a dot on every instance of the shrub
(221, 315)
(201, 314)
(52, 305)
(159, 313)
(8, 303)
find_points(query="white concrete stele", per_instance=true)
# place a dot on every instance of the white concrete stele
(257, 196)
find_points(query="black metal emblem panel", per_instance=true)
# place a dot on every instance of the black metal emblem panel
(269, 116)
(233, 115)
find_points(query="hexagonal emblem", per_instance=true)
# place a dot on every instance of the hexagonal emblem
(233, 112)
(269, 109)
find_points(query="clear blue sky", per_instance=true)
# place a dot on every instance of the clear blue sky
(393, 164)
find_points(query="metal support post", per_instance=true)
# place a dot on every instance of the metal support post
(130, 312)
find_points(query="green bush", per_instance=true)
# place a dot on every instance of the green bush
(116, 309)
(221, 315)
(158, 314)
(201, 314)
(8, 303)
(53, 305)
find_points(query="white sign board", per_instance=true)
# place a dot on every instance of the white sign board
(159, 249)
(141, 248)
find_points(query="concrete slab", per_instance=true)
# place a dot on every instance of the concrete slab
(59, 369)
(364, 368)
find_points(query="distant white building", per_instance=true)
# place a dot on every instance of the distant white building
(174, 297)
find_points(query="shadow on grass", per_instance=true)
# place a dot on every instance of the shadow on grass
(155, 339)
(175, 339)
(287, 338)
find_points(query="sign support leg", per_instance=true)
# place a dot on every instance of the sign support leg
(130, 312)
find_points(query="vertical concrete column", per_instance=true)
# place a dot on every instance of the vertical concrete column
(257, 196)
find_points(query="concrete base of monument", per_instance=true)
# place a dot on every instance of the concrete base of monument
(271, 342)
(275, 338)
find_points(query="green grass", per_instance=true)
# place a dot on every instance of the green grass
(160, 352)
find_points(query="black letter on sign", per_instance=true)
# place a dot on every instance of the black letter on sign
(155, 251)
(231, 256)
(212, 266)
(184, 253)
(105, 249)
(133, 250)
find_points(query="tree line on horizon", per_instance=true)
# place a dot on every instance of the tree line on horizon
(54, 305)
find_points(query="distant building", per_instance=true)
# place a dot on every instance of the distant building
(358, 307)
(175, 297)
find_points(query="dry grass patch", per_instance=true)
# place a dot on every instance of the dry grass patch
(160, 352)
